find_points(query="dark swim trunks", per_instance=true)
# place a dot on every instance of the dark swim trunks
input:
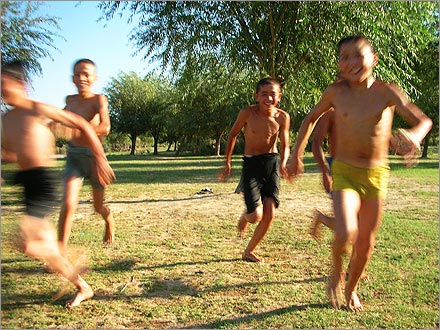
(39, 191)
(261, 178)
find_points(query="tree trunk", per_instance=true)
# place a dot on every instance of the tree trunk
(133, 138)
(217, 146)
(425, 146)
(156, 144)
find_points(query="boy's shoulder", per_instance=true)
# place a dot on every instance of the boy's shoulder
(93, 97)
(250, 107)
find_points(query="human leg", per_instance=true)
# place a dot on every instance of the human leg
(70, 202)
(247, 218)
(370, 218)
(320, 219)
(346, 204)
(105, 212)
(38, 240)
(261, 230)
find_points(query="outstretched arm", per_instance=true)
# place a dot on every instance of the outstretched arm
(284, 144)
(232, 139)
(322, 129)
(104, 172)
(296, 166)
(103, 129)
(421, 124)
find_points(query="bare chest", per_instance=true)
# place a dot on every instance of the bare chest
(22, 128)
(86, 108)
(359, 111)
(263, 126)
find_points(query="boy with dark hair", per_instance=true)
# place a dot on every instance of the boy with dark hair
(28, 141)
(93, 108)
(363, 115)
(263, 123)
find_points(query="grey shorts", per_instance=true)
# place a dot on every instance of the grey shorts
(80, 163)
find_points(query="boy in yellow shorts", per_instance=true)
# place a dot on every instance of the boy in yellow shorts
(363, 117)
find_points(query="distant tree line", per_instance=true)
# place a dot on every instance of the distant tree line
(218, 50)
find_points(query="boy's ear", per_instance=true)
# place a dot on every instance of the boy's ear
(279, 99)
(255, 96)
(376, 59)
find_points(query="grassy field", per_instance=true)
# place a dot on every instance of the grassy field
(176, 261)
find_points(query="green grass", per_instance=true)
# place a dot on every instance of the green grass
(176, 259)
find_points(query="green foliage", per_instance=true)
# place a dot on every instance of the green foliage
(137, 105)
(26, 35)
(209, 101)
(293, 41)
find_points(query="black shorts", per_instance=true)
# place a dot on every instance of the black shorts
(39, 191)
(261, 178)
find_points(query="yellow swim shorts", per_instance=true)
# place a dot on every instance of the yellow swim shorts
(367, 182)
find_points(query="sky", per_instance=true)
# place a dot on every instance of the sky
(105, 42)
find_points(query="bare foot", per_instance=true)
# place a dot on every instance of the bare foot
(81, 295)
(365, 277)
(250, 257)
(315, 227)
(242, 226)
(353, 302)
(334, 291)
(109, 234)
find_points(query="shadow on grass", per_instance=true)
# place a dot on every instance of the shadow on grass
(170, 287)
(199, 197)
(22, 300)
(155, 287)
(234, 323)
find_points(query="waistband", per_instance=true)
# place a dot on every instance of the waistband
(78, 150)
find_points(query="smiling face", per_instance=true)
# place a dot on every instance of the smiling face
(357, 60)
(268, 96)
(84, 75)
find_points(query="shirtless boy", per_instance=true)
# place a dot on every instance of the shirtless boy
(28, 141)
(93, 108)
(325, 128)
(263, 123)
(363, 116)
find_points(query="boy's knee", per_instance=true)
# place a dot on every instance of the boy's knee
(346, 234)
(101, 209)
(255, 216)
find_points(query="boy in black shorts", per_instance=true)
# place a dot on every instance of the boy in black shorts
(28, 141)
(262, 123)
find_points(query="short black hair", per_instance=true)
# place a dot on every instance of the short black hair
(267, 81)
(15, 69)
(354, 38)
(84, 60)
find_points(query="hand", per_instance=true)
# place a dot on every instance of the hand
(104, 172)
(224, 174)
(295, 167)
(327, 181)
(405, 144)
(284, 173)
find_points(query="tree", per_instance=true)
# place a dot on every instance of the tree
(210, 100)
(127, 98)
(159, 108)
(428, 72)
(138, 106)
(26, 35)
(290, 40)
(279, 39)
